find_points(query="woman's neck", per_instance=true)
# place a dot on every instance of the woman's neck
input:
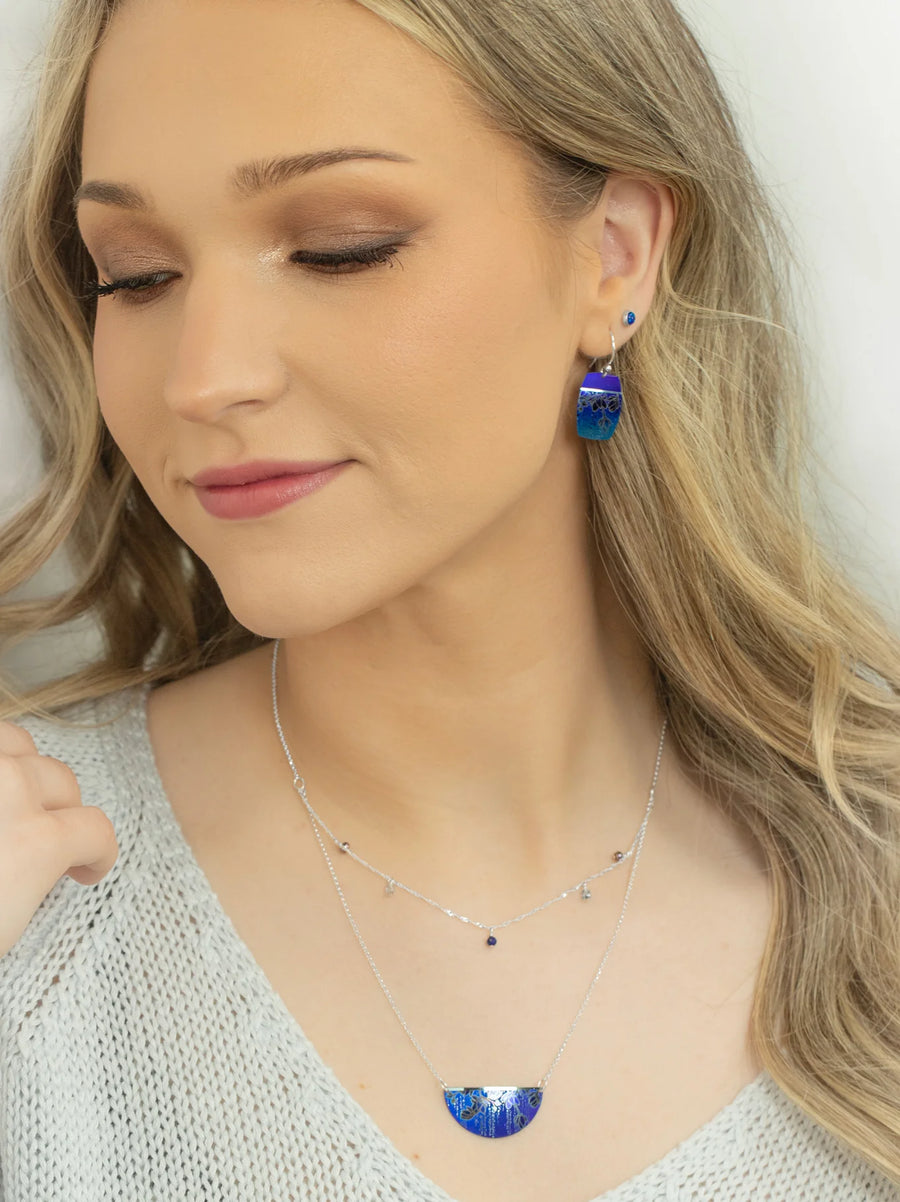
(449, 721)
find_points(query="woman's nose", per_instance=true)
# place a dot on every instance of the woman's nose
(225, 349)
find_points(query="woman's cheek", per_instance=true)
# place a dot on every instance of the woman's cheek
(123, 392)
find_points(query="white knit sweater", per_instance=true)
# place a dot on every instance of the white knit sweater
(145, 1057)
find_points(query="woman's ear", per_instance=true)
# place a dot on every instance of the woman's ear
(618, 249)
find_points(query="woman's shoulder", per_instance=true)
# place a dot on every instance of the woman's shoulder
(75, 727)
(103, 741)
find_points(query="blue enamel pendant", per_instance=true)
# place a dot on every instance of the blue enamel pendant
(599, 405)
(494, 1110)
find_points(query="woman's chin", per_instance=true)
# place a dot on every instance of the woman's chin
(284, 612)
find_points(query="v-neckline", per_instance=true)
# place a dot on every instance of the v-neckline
(225, 935)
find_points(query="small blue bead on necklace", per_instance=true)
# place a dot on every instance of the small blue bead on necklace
(491, 940)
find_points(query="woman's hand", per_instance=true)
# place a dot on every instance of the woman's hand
(45, 831)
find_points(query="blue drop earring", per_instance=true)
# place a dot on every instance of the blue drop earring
(600, 396)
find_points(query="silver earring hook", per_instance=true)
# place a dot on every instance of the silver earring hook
(606, 369)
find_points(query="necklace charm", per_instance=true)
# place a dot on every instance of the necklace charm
(389, 887)
(492, 938)
(494, 1110)
(585, 891)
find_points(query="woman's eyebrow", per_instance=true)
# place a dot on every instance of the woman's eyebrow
(249, 179)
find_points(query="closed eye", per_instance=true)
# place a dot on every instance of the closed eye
(138, 289)
(368, 256)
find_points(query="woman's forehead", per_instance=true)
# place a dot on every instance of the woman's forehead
(321, 73)
(188, 95)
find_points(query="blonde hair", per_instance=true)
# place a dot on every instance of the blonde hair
(780, 677)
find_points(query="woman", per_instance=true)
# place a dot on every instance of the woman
(393, 732)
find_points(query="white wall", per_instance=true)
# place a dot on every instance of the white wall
(815, 89)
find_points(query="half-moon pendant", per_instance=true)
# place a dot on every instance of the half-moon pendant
(494, 1110)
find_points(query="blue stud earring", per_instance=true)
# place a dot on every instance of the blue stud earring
(600, 396)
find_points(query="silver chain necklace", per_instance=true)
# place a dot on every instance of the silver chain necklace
(492, 1111)
(391, 883)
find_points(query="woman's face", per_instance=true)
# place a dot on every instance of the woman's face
(441, 377)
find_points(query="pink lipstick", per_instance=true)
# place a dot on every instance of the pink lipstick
(249, 490)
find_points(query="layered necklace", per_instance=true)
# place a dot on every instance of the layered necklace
(491, 1111)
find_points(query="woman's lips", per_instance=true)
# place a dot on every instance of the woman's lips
(262, 496)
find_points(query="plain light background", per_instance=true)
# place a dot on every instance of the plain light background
(815, 90)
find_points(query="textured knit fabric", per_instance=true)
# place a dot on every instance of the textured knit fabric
(144, 1055)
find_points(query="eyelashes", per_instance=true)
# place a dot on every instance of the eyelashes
(138, 289)
(135, 283)
(369, 256)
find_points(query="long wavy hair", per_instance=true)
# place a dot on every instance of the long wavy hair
(780, 678)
